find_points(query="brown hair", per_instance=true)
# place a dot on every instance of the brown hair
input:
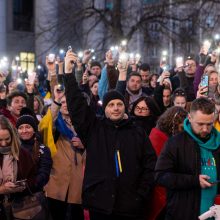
(5, 124)
(170, 120)
(15, 93)
(204, 105)
(40, 102)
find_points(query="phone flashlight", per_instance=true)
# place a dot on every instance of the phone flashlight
(51, 57)
(164, 53)
(19, 81)
(61, 54)
(124, 42)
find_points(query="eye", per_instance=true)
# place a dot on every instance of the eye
(110, 105)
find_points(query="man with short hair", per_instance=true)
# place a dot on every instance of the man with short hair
(119, 157)
(166, 97)
(15, 102)
(95, 69)
(144, 71)
(186, 78)
(189, 164)
(131, 89)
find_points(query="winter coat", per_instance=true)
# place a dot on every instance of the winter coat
(66, 177)
(178, 169)
(43, 163)
(105, 190)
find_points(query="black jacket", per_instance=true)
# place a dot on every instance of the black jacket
(43, 163)
(178, 168)
(103, 191)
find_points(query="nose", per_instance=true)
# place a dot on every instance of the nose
(205, 128)
(115, 107)
(3, 143)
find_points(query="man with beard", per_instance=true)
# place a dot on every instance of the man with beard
(188, 166)
(120, 160)
(186, 78)
(132, 90)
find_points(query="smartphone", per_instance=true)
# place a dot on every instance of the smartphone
(70, 48)
(31, 77)
(206, 46)
(60, 88)
(205, 82)
(179, 62)
(51, 58)
(166, 67)
(215, 182)
(123, 59)
(61, 55)
(21, 182)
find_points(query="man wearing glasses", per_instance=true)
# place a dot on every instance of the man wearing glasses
(186, 77)
(189, 164)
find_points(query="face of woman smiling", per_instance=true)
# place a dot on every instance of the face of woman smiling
(5, 138)
(25, 131)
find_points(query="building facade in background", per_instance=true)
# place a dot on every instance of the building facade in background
(31, 29)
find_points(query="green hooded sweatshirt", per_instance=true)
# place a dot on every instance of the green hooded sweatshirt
(208, 165)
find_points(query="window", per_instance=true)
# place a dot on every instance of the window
(153, 52)
(23, 15)
(109, 4)
(27, 61)
(149, 1)
(210, 21)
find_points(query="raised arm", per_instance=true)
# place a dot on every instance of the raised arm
(80, 113)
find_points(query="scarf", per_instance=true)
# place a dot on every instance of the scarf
(63, 128)
(8, 171)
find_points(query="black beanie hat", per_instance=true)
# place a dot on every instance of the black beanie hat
(27, 119)
(110, 96)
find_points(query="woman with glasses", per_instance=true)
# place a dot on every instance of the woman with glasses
(145, 113)
(179, 98)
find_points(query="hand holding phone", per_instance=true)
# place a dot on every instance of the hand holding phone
(205, 82)
(21, 182)
(179, 62)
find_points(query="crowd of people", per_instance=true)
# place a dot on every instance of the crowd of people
(110, 142)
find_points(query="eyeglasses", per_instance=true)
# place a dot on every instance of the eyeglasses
(142, 109)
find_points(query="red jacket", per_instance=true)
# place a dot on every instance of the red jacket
(158, 139)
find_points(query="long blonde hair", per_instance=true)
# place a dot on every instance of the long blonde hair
(5, 124)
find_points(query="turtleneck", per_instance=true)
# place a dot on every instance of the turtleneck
(28, 144)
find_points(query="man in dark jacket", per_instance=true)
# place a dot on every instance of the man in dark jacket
(120, 159)
(189, 164)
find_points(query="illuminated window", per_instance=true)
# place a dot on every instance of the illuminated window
(27, 61)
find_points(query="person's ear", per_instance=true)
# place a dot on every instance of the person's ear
(189, 117)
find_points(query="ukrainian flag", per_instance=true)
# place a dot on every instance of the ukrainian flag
(46, 129)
